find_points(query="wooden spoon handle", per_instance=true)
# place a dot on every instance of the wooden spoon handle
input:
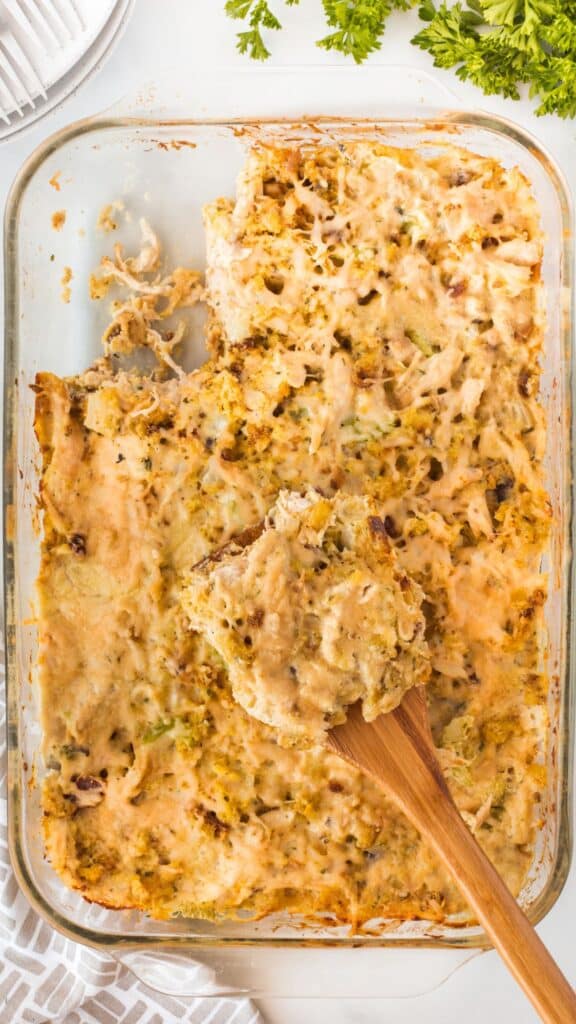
(497, 910)
(397, 752)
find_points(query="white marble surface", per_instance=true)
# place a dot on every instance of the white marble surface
(195, 34)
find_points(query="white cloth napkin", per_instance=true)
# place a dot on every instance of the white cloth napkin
(45, 977)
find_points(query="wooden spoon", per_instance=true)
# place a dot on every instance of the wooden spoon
(396, 750)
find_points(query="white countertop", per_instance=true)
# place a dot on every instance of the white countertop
(195, 34)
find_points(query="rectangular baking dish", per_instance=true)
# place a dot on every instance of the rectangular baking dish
(164, 165)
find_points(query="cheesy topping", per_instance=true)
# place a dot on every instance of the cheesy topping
(313, 615)
(375, 322)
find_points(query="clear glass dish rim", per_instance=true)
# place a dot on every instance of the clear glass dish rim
(433, 120)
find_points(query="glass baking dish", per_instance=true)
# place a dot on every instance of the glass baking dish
(165, 163)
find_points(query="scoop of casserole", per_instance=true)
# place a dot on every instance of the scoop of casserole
(312, 614)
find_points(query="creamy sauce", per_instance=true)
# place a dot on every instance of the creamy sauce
(375, 324)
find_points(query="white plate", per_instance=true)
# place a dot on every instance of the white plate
(47, 48)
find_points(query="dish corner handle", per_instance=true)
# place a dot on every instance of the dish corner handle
(233, 972)
(171, 973)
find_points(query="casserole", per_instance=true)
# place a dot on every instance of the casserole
(160, 167)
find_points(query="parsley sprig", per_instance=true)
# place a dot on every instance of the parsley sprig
(498, 45)
(357, 25)
(258, 15)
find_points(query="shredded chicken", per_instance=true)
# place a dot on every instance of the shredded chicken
(132, 325)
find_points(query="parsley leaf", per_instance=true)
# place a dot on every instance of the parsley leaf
(554, 83)
(449, 37)
(560, 35)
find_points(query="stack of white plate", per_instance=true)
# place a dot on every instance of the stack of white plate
(47, 48)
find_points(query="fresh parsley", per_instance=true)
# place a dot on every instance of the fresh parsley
(258, 15)
(498, 45)
(357, 25)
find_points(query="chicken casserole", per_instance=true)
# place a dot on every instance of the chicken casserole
(375, 323)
